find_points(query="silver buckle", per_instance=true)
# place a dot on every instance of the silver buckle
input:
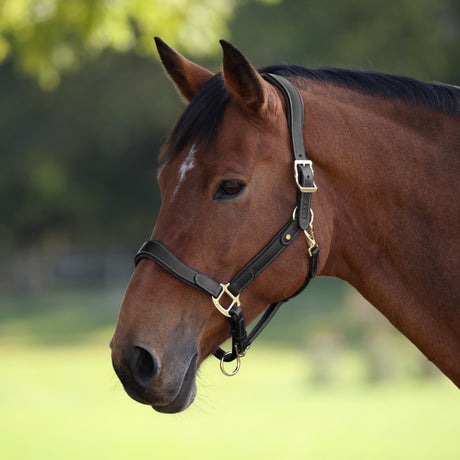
(296, 175)
(235, 300)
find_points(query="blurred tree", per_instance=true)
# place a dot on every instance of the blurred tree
(420, 38)
(47, 37)
(79, 163)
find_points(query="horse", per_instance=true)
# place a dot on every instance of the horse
(385, 151)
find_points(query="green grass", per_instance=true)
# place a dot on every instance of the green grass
(65, 402)
(60, 399)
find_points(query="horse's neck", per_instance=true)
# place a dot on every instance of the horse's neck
(390, 213)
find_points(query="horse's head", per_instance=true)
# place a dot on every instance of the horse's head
(227, 187)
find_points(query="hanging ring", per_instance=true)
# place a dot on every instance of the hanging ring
(238, 363)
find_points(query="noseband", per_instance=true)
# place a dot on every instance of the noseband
(302, 221)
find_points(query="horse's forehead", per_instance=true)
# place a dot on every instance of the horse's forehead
(243, 136)
(240, 139)
(175, 171)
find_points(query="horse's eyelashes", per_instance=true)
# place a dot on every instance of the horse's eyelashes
(228, 189)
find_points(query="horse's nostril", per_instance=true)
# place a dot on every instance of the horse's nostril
(144, 365)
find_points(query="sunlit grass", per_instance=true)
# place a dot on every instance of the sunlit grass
(66, 402)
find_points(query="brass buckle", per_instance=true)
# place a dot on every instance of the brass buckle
(296, 175)
(235, 300)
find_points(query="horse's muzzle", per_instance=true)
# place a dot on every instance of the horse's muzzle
(166, 390)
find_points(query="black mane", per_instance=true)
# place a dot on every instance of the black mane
(201, 119)
(435, 96)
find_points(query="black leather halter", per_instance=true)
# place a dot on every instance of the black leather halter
(301, 222)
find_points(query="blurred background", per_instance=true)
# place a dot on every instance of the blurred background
(84, 109)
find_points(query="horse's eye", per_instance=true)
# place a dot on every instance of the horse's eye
(228, 189)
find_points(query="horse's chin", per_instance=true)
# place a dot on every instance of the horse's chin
(166, 400)
(186, 394)
(182, 402)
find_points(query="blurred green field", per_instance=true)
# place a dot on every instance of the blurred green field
(59, 398)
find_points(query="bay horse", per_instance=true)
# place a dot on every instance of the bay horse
(385, 151)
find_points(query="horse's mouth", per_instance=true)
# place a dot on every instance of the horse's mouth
(186, 394)
(165, 400)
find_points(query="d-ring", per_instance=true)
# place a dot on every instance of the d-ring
(222, 364)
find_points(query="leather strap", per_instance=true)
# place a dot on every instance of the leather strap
(295, 120)
(155, 250)
(294, 112)
(265, 257)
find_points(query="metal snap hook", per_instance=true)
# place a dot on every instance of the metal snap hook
(310, 236)
(238, 363)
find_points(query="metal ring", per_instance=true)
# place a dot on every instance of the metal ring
(312, 216)
(222, 365)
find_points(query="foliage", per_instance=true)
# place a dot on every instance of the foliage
(47, 37)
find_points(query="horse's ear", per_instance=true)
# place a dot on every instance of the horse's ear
(242, 79)
(187, 76)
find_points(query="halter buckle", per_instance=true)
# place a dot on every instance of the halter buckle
(235, 300)
(302, 188)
